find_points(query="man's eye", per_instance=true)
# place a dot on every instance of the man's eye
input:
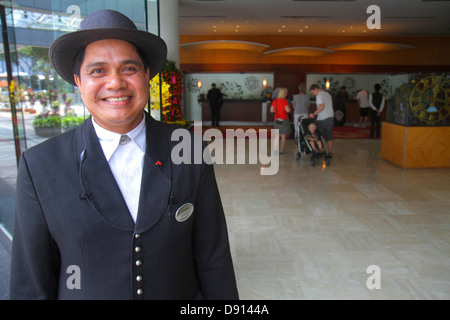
(130, 70)
(96, 71)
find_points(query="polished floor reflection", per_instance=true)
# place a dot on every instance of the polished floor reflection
(312, 232)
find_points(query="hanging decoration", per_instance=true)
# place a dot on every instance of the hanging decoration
(172, 90)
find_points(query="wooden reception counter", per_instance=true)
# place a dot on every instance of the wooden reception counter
(415, 146)
(259, 111)
(239, 110)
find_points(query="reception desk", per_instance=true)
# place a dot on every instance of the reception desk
(240, 111)
(259, 111)
(416, 146)
(352, 113)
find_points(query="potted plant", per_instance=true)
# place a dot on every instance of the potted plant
(71, 121)
(47, 125)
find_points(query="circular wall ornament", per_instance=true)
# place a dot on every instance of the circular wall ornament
(430, 99)
(349, 83)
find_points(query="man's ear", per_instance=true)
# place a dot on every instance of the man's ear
(77, 80)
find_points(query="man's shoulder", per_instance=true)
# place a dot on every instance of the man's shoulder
(50, 150)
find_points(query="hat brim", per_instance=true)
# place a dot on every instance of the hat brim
(64, 49)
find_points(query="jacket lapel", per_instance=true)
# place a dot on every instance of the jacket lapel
(156, 176)
(100, 187)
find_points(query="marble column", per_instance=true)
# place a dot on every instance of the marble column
(168, 16)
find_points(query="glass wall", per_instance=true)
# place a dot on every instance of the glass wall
(35, 103)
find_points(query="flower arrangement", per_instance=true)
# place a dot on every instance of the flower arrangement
(172, 90)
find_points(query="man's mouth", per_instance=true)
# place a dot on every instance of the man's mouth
(117, 99)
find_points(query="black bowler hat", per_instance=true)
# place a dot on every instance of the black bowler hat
(100, 25)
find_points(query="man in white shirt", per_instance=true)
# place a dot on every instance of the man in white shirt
(363, 102)
(102, 211)
(324, 114)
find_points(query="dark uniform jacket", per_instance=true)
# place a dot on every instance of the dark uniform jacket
(73, 228)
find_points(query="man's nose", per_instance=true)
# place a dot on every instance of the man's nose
(115, 81)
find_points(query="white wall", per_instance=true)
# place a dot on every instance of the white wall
(233, 85)
(356, 82)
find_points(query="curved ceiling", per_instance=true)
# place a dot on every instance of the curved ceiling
(371, 46)
(225, 45)
(299, 51)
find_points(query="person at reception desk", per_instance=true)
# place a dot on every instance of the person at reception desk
(363, 101)
(215, 98)
(280, 106)
(376, 101)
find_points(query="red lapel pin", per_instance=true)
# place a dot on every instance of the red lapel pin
(158, 163)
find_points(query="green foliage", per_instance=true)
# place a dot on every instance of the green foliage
(71, 120)
(55, 121)
(51, 121)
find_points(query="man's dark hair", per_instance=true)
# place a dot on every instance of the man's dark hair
(314, 87)
(80, 57)
(377, 87)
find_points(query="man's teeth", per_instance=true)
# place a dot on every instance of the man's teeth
(117, 99)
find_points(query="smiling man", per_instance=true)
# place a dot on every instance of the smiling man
(101, 211)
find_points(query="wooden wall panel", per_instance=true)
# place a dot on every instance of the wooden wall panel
(415, 147)
(393, 143)
(427, 147)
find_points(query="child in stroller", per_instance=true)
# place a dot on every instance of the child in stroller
(310, 141)
(314, 138)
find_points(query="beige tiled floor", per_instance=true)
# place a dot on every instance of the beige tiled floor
(312, 232)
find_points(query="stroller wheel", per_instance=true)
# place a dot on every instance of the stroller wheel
(313, 161)
(327, 160)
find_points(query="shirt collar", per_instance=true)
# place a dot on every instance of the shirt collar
(110, 140)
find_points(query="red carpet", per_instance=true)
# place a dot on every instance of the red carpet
(345, 132)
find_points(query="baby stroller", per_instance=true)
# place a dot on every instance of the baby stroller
(311, 142)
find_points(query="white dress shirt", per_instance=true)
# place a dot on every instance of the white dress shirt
(125, 156)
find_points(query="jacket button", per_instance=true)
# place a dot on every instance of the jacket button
(137, 235)
(138, 262)
(137, 249)
(139, 291)
(139, 278)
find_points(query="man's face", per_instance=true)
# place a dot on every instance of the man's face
(113, 84)
(315, 92)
